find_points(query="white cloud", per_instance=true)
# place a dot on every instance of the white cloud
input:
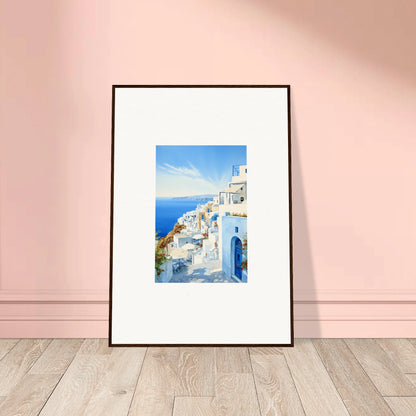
(190, 171)
(186, 180)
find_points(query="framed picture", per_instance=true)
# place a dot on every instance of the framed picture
(201, 241)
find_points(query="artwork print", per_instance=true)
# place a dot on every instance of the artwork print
(201, 214)
(201, 225)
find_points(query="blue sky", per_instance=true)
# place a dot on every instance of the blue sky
(195, 170)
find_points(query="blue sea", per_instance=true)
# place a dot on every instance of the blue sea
(168, 210)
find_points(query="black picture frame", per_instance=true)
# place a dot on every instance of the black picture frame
(119, 86)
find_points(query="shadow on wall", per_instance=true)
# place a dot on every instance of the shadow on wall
(380, 32)
(306, 313)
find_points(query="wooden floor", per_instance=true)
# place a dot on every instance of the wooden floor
(322, 377)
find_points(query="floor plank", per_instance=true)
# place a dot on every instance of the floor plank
(402, 406)
(18, 362)
(266, 350)
(402, 353)
(353, 384)
(114, 390)
(194, 406)
(155, 391)
(412, 378)
(316, 390)
(412, 341)
(275, 387)
(6, 345)
(383, 372)
(76, 387)
(95, 346)
(196, 372)
(29, 395)
(57, 356)
(235, 395)
(232, 360)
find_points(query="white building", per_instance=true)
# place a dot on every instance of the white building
(180, 240)
(218, 229)
(234, 247)
(236, 191)
(189, 220)
(232, 200)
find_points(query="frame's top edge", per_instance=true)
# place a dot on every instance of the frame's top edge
(201, 86)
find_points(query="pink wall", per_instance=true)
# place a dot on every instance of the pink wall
(352, 68)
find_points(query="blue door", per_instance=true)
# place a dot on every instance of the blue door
(238, 257)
